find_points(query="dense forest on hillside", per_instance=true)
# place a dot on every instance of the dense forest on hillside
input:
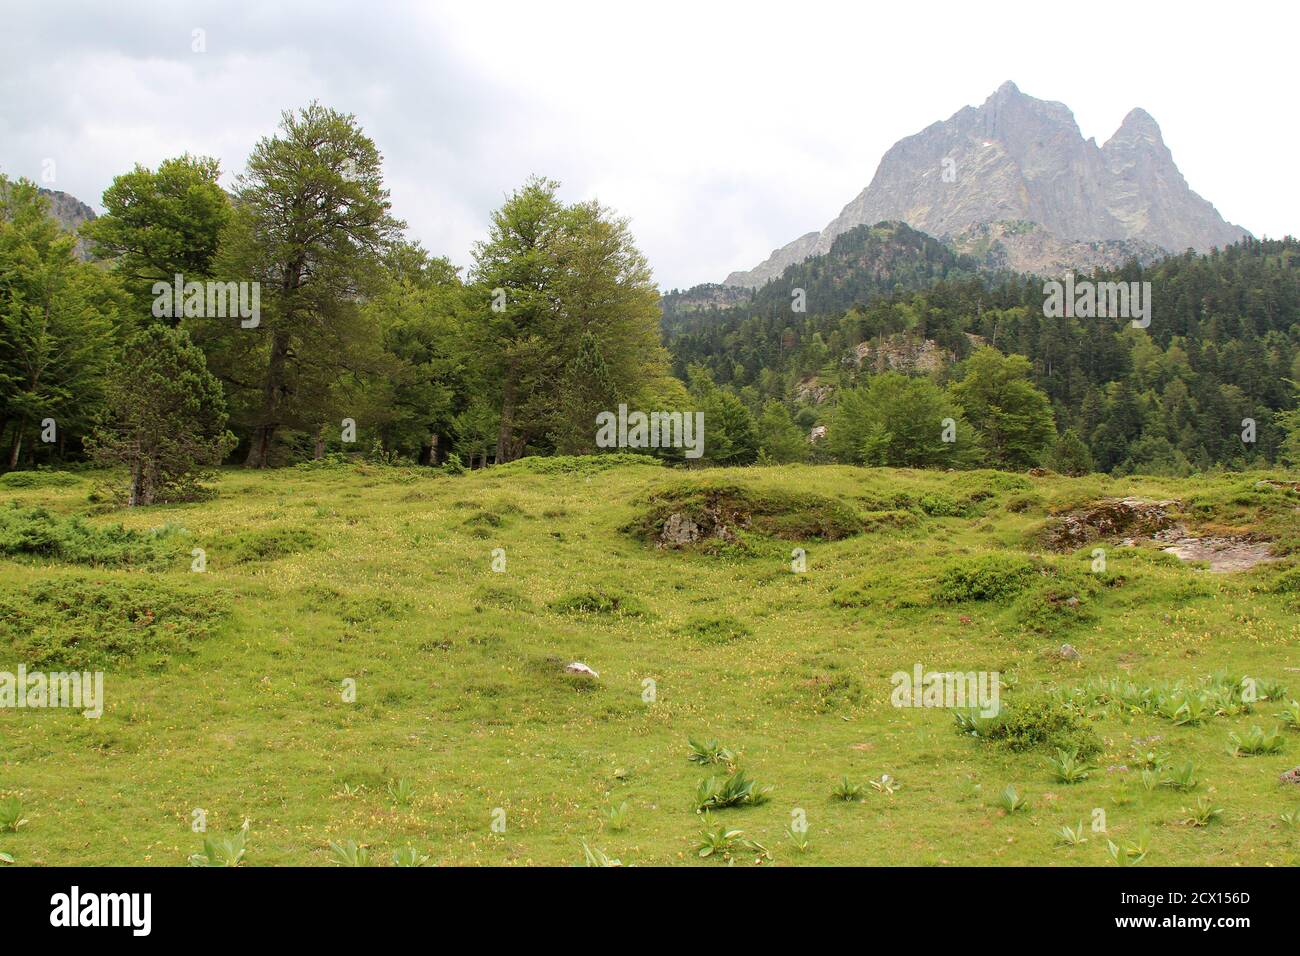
(1223, 346)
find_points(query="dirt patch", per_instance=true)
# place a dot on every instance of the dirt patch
(1110, 517)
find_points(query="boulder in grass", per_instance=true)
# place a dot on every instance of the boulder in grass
(577, 667)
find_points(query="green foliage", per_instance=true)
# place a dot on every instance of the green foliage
(710, 752)
(1036, 721)
(987, 577)
(41, 534)
(85, 623)
(348, 853)
(733, 790)
(165, 418)
(900, 421)
(11, 815)
(780, 440)
(1068, 768)
(721, 511)
(223, 851)
(266, 544)
(848, 791)
(594, 857)
(1014, 419)
(715, 629)
(1011, 801)
(600, 602)
(1256, 742)
(1202, 814)
(409, 856)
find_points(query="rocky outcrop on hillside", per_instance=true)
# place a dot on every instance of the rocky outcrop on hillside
(1023, 160)
(69, 212)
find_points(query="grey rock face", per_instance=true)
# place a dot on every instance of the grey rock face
(1019, 159)
(69, 212)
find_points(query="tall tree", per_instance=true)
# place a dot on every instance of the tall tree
(58, 323)
(311, 225)
(165, 420)
(1013, 418)
(160, 224)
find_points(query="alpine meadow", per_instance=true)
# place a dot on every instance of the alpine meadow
(367, 503)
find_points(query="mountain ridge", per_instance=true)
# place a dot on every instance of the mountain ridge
(1016, 158)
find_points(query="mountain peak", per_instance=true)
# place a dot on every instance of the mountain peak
(1021, 159)
(1141, 123)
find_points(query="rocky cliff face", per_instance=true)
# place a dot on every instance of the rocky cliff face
(1017, 159)
(69, 212)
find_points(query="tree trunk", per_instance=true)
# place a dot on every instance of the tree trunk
(505, 435)
(319, 451)
(433, 449)
(18, 444)
(259, 450)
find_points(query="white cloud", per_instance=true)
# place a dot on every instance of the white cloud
(720, 130)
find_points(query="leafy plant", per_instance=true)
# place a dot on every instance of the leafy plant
(616, 817)
(594, 857)
(886, 784)
(6, 857)
(1183, 778)
(401, 790)
(349, 854)
(1255, 743)
(798, 839)
(714, 793)
(1290, 714)
(11, 815)
(222, 851)
(1011, 801)
(1203, 814)
(409, 856)
(1149, 780)
(1129, 852)
(1291, 818)
(724, 844)
(710, 752)
(1069, 768)
(1071, 835)
(847, 791)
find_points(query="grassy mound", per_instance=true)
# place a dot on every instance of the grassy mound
(703, 512)
(87, 623)
(35, 532)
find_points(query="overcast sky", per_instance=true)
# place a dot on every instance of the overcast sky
(720, 130)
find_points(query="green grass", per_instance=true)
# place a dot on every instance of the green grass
(225, 690)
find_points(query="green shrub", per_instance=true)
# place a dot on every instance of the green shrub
(83, 623)
(988, 577)
(604, 603)
(266, 544)
(714, 629)
(1037, 721)
(36, 532)
(38, 479)
(721, 511)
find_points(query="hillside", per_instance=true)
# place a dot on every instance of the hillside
(225, 689)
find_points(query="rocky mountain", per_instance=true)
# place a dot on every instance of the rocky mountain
(988, 170)
(69, 212)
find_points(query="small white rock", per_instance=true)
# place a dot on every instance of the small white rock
(577, 667)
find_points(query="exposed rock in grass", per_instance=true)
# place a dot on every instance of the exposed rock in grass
(581, 669)
(1223, 554)
(717, 514)
(1108, 518)
(1068, 653)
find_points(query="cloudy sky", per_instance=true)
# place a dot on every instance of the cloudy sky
(721, 130)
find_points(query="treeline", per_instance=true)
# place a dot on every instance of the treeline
(303, 322)
(1211, 382)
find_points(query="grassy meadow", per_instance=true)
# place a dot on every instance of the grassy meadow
(225, 690)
